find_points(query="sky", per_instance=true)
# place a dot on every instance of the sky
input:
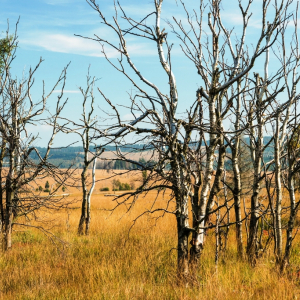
(47, 29)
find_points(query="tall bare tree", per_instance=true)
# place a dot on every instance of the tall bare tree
(286, 146)
(172, 135)
(18, 110)
(87, 130)
(219, 78)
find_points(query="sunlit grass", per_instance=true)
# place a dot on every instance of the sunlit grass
(112, 264)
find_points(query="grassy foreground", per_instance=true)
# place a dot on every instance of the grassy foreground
(110, 265)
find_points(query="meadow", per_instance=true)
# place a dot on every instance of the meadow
(113, 263)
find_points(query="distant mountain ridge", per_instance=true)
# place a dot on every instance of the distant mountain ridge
(73, 155)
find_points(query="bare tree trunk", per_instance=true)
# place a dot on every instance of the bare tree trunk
(278, 225)
(291, 223)
(217, 236)
(2, 216)
(219, 174)
(237, 199)
(198, 238)
(88, 202)
(237, 176)
(8, 223)
(182, 246)
(83, 216)
(195, 252)
(9, 208)
(198, 241)
(10, 189)
(256, 152)
(252, 246)
(181, 192)
(16, 155)
(182, 242)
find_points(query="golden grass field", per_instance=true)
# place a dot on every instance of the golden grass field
(110, 264)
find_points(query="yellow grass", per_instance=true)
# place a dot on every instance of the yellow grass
(109, 264)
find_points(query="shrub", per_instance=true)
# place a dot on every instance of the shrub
(124, 187)
(46, 190)
(105, 189)
(120, 186)
(40, 188)
(116, 184)
(63, 188)
(144, 176)
(47, 185)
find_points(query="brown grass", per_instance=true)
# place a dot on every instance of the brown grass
(109, 264)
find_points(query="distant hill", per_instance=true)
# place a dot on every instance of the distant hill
(73, 156)
(66, 157)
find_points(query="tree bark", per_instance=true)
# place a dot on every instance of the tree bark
(237, 190)
(88, 202)
(2, 216)
(256, 152)
(237, 199)
(182, 248)
(83, 216)
(195, 251)
(9, 213)
(292, 219)
(252, 246)
(278, 225)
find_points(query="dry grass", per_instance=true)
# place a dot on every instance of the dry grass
(110, 265)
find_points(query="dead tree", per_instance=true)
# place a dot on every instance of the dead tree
(86, 129)
(161, 111)
(19, 110)
(262, 110)
(235, 149)
(286, 141)
(168, 132)
(219, 78)
(7, 50)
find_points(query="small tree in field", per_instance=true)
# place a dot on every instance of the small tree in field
(86, 130)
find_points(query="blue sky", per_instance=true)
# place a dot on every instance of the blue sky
(47, 29)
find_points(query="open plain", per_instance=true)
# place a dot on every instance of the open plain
(113, 263)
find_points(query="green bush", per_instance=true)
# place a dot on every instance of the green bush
(120, 186)
(47, 185)
(124, 187)
(46, 190)
(105, 189)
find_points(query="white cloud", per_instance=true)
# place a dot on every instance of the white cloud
(65, 44)
(75, 45)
